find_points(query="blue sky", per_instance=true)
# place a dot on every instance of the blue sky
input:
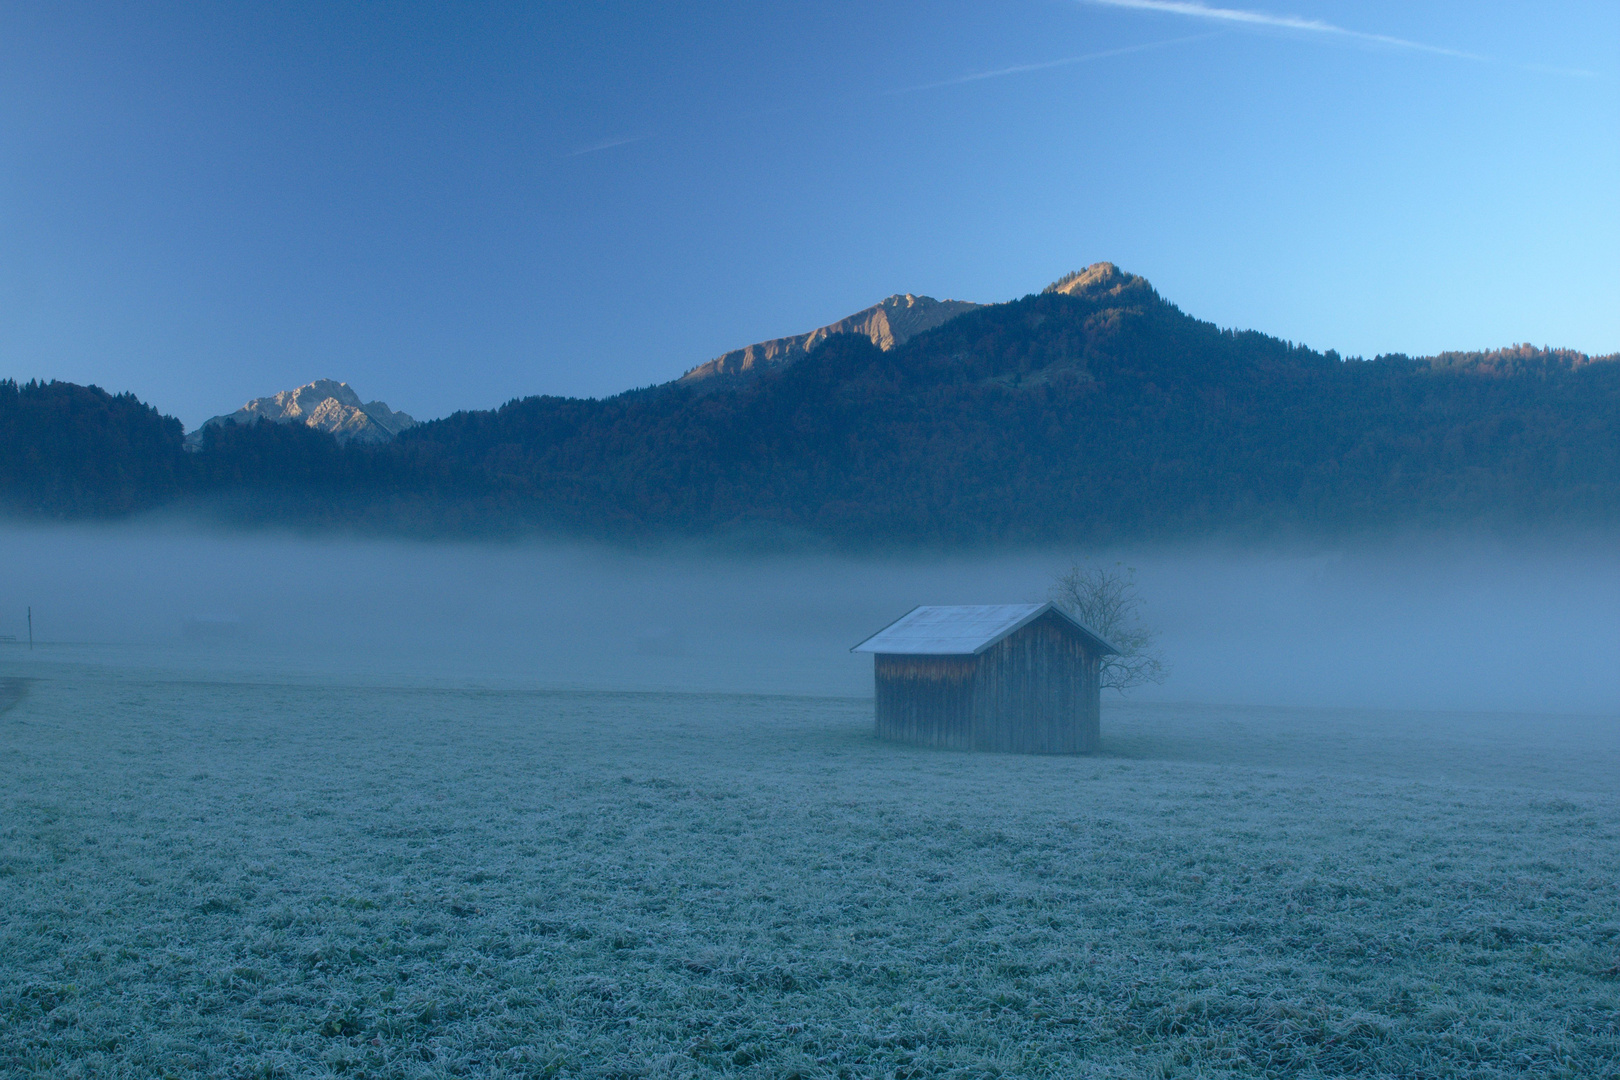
(452, 205)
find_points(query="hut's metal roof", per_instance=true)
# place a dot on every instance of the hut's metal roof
(964, 630)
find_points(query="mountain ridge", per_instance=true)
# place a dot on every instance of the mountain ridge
(888, 323)
(1092, 411)
(324, 405)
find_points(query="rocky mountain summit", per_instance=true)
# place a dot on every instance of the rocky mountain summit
(325, 405)
(886, 324)
(1099, 281)
(892, 322)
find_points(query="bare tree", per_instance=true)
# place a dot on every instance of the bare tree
(1107, 601)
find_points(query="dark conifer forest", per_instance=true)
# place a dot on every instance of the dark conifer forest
(78, 451)
(1106, 414)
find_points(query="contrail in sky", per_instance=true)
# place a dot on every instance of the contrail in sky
(1232, 17)
(1019, 69)
(607, 145)
(1196, 10)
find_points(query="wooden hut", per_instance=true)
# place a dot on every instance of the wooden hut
(1012, 677)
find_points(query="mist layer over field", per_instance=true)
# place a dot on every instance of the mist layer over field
(1437, 623)
(278, 807)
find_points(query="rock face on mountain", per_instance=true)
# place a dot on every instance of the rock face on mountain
(325, 405)
(1099, 281)
(887, 324)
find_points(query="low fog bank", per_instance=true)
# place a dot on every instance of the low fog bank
(1437, 623)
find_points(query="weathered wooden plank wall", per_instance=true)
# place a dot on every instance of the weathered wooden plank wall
(1035, 693)
(927, 700)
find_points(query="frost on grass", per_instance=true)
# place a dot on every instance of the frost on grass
(250, 879)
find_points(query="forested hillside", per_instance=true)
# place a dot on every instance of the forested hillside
(70, 451)
(1094, 410)
(1099, 413)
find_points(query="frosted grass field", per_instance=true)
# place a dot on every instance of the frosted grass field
(247, 876)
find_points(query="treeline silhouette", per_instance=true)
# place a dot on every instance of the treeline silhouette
(75, 451)
(1106, 414)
